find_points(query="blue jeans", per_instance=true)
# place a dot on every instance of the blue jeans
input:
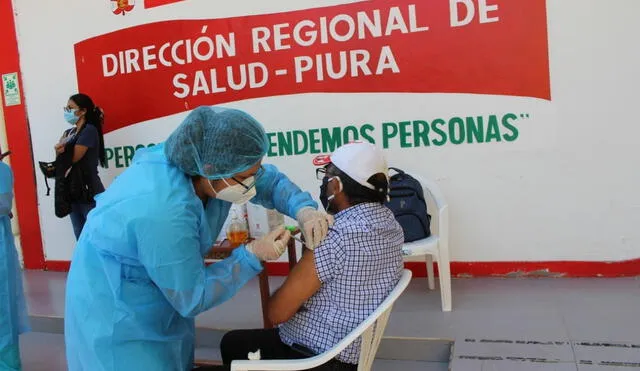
(78, 216)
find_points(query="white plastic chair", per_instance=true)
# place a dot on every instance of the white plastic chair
(371, 330)
(435, 246)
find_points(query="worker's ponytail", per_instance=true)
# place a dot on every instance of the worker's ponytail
(95, 117)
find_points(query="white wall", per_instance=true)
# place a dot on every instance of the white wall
(565, 190)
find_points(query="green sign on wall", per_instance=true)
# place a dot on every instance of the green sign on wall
(416, 133)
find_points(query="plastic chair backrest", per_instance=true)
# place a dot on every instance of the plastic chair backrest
(433, 191)
(435, 197)
(371, 330)
(372, 335)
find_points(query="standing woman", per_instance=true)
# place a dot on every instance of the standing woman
(86, 142)
(13, 313)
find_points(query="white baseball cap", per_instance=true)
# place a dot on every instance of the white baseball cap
(359, 160)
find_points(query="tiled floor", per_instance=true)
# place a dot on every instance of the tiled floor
(42, 352)
(45, 352)
(497, 324)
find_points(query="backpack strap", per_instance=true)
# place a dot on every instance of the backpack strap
(399, 174)
(46, 182)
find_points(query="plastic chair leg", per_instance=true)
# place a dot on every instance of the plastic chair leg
(430, 274)
(444, 275)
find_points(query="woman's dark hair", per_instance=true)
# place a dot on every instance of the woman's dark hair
(357, 193)
(95, 117)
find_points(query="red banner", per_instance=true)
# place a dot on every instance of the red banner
(438, 46)
(154, 3)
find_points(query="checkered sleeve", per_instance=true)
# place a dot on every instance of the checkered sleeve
(326, 257)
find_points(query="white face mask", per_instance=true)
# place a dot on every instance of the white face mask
(236, 193)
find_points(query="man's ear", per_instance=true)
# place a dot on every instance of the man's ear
(336, 185)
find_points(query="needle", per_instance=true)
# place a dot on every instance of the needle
(299, 240)
(292, 229)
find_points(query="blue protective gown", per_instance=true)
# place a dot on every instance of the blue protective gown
(13, 310)
(137, 277)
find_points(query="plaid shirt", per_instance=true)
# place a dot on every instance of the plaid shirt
(358, 264)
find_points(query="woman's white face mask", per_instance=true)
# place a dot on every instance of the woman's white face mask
(236, 193)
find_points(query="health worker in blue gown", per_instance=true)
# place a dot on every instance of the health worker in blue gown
(14, 318)
(137, 276)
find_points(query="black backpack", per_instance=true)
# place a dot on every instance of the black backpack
(409, 206)
(73, 182)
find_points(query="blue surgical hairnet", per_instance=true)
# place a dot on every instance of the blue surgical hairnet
(217, 143)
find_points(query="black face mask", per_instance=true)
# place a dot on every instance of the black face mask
(324, 198)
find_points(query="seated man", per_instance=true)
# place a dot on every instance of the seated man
(335, 287)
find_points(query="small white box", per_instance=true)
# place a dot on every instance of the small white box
(262, 220)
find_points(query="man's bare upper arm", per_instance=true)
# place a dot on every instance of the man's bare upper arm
(301, 284)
